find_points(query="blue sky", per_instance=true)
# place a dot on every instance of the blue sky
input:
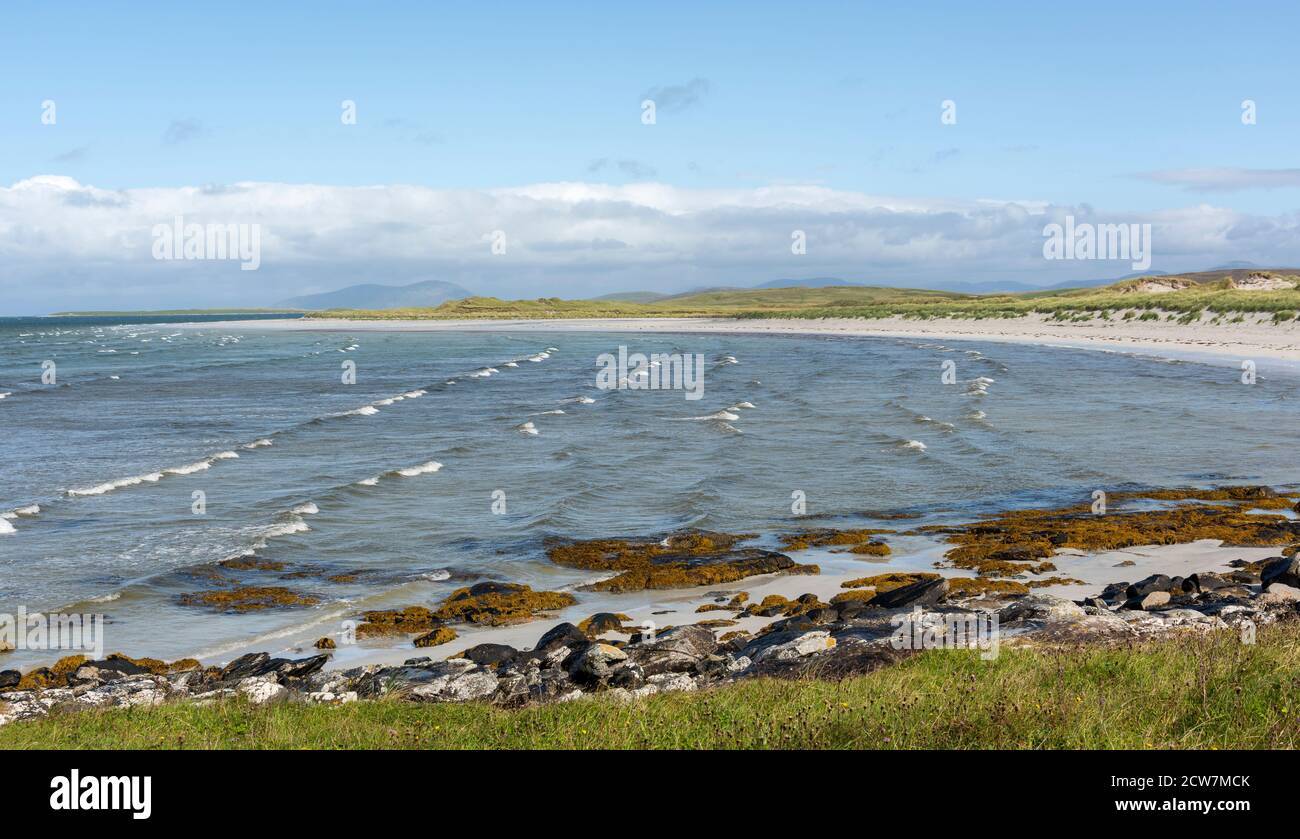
(1063, 107)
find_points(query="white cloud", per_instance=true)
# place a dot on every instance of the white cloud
(66, 245)
(1225, 178)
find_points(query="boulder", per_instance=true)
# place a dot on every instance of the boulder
(1284, 570)
(1206, 581)
(131, 691)
(1156, 582)
(677, 650)
(1115, 592)
(671, 682)
(247, 666)
(490, 655)
(924, 593)
(400, 680)
(9, 679)
(602, 622)
(595, 663)
(457, 687)
(1279, 593)
(783, 646)
(560, 635)
(1041, 607)
(303, 667)
(628, 676)
(512, 689)
(1147, 602)
(107, 670)
(262, 690)
(851, 609)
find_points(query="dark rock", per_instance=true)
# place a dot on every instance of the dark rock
(603, 622)
(1149, 601)
(253, 664)
(412, 662)
(9, 679)
(1209, 581)
(1041, 607)
(403, 679)
(1228, 595)
(1284, 570)
(303, 667)
(1156, 582)
(550, 684)
(797, 623)
(787, 643)
(1115, 592)
(1096, 602)
(560, 635)
(512, 689)
(106, 670)
(839, 662)
(870, 633)
(629, 676)
(490, 655)
(677, 650)
(595, 664)
(924, 593)
(851, 609)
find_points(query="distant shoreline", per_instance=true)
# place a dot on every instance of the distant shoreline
(1256, 337)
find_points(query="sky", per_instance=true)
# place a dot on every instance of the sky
(522, 125)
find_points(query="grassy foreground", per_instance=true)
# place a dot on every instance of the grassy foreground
(1186, 692)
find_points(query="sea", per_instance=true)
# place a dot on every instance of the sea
(370, 468)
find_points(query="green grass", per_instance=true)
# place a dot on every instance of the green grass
(1191, 691)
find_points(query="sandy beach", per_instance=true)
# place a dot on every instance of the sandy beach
(1256, 338)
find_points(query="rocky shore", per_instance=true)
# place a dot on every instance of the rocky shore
(855, 633)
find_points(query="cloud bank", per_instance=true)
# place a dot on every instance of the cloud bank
(1225, 178)
(65, 245)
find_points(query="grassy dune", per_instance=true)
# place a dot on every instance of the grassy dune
(1191, 691)
(1206, 293)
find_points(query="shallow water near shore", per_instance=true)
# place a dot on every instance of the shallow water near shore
(383, 492)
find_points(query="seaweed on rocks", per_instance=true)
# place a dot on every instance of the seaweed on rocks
(497, 604)
(1012, 543)
(681, 560)
(249, 598)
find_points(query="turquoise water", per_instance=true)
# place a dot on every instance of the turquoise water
(389, 484)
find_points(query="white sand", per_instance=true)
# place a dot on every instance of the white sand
(1256, 338)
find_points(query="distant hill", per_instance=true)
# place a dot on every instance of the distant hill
(373, 296)
(815, 282)
(633, 296)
